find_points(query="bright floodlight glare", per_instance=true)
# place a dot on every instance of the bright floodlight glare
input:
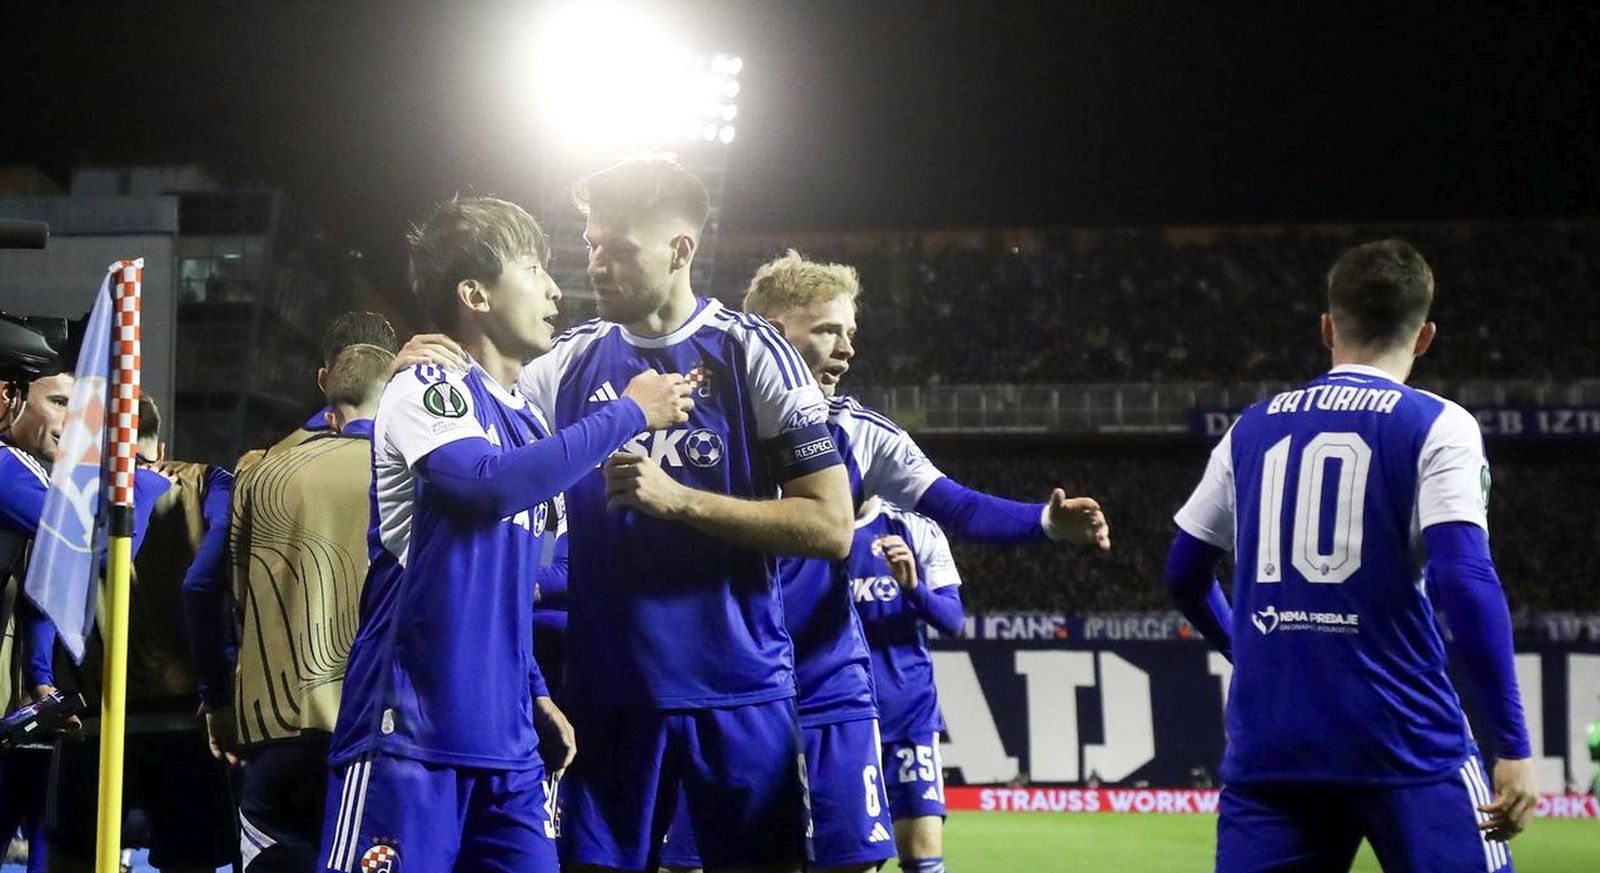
(726, 134)
(612, 76)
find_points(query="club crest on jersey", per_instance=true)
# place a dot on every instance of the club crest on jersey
(443, 400)
(381, 858)
(700, 379)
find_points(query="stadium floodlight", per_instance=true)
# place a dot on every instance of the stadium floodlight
(616, 77)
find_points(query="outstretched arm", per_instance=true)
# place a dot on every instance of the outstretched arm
(979, 516)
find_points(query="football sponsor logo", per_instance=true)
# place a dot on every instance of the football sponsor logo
(879, 834)
(698, 447)
(806, 416)
(870, 588)
(703, 448)
(603, 394)
(1272, 619)
(443, 400)
(1266, 620)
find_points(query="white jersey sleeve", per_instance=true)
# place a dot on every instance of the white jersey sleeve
(934, 561)
(424, 408)
(1208, 514)
(891, 464)
(1452, 471)
(783, 395)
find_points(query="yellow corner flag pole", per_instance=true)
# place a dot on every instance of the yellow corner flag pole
(122, 443)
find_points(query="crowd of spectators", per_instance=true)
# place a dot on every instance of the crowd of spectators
(1515, 300)
(1542, 521)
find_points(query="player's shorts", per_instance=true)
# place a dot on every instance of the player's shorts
(849, 811)
(741, 771)
(1430, 828)
(914, 775)
(386, 814)
(186, 795)
(280, 805)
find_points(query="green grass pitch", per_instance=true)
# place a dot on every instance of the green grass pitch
(1030, 842)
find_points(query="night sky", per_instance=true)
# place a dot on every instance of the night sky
(855, 114)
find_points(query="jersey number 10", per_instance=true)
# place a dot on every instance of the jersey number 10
(1349, 496)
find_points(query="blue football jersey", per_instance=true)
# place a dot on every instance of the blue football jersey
(897, 636)
(23, 484)
(832, 666)
(661, 615)
(442, 667)
(1322, 493)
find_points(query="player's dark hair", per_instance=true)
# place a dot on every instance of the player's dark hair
(357, 375)
(1379, 293)
(653, 183)
(149, 418)
(468, 238)
(357, 328)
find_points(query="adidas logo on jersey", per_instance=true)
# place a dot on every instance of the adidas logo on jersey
(604, 393)
(880, 834)
(932, 793)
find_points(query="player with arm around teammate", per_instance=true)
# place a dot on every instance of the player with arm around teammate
(435, 755)
(814, 304)
(1356, 507)
(680, 670)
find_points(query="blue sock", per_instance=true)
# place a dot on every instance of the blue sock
(922, 865)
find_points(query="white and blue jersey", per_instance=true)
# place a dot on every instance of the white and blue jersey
(1323, 493)
(442, 669)
(663, 616)
(832, 666)
(896, 630)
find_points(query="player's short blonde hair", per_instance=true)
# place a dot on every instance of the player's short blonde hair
(792, 282)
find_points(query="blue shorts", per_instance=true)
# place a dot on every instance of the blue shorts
(1431, 828)
(915, 775)
(386, 815)
(740, 772)
(849, 811)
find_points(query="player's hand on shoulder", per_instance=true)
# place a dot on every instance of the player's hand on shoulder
(1076, 520)
(1516, 793)
(902, 562)
(558, 742)
(636, 481)
(664, 397)
(430, 348)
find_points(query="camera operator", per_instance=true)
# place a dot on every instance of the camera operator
(27, 448)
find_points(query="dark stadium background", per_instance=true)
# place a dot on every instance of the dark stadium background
(1036, 193)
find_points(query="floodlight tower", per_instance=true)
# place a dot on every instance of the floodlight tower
(613, 81)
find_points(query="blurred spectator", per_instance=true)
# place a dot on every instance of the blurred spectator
(1136, 307)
